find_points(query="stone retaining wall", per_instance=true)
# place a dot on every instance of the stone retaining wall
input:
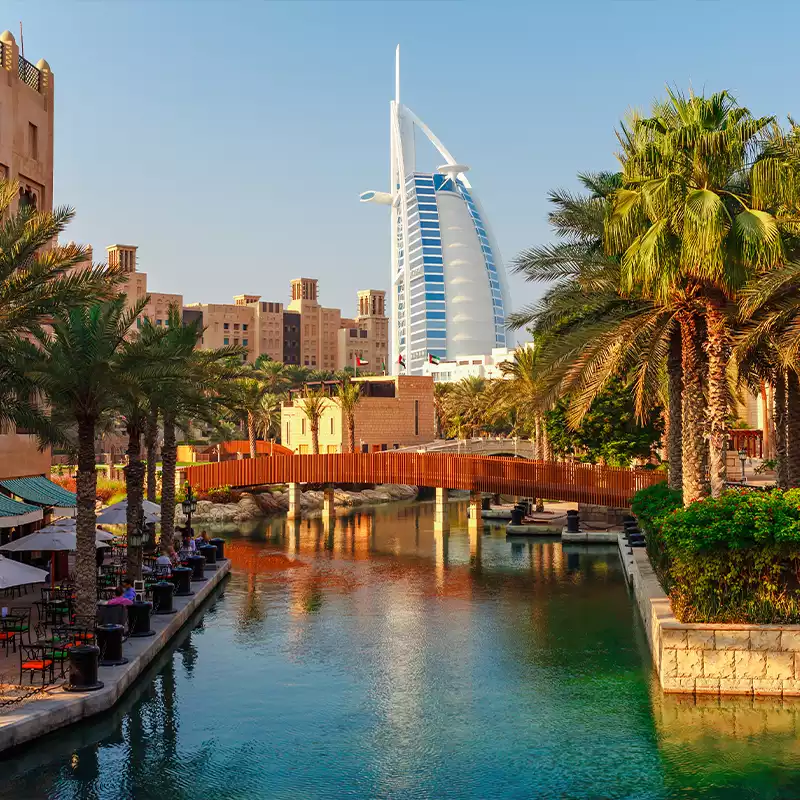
(712, 658)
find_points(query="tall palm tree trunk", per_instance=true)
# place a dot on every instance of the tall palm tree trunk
(351, 432)
(537, 438)
(780, 416)
(692, 413)
(767, 432)
(793, 427)
(86, 489)
(150, 442)
(315, 437)
(547, 450)
(251, 433)
(674, 412)
(168, 461)
(134, 483)
(718, 406)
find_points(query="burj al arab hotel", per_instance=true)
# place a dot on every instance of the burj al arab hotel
(449, 293)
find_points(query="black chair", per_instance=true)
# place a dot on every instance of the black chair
(35, 658)
(19, 621)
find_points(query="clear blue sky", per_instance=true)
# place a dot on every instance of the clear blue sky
(230, 140)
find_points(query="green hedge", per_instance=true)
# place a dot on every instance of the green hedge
(649, 505)
(733, 559)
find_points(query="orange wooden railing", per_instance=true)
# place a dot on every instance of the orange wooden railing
(580, 483)
(750, 440)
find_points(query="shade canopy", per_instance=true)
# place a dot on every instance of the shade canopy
(45, 540)
(117, 514)
(12, 573)
(40, 491)
(69, 526)
(13, 513)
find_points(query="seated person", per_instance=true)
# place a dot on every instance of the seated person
(163, 562)
(119, 598)
(173, 556)
(128, 591)
(188, 543)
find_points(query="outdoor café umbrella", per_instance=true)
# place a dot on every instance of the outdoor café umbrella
(47, 539)
(118, 513)
(68, 525)
(14, 573)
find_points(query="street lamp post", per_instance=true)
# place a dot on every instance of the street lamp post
(189, 505)
(743, 458)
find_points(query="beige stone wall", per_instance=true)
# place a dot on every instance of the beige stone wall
(20, 456)
(26, 127)
(380, 422)
(713, 658)
(228, 324)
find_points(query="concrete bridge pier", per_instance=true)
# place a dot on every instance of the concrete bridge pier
(441, 511)
(294, 511)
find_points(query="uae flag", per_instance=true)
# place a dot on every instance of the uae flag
(401, 361)
(360, 363)
(432, 359)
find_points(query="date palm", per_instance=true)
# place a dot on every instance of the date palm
(195, 394)
(245, 396)
(588, 331)
(349, 398)
(77, 366)
(37, 280)
(313, 405)
(691, 234)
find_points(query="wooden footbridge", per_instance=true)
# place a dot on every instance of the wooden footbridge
(564, 481)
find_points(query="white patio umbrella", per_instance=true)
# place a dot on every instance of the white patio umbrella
(13, 573)
(118, 513)
(46, 540)
(69, 526)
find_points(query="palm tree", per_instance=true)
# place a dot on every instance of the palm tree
(349, 397)
(440, 392)
(76, 366)
(312, 405)
(268, 416)
(196, 394)
(37, 280)
(246, 394)
(587, 331)
(690, 235)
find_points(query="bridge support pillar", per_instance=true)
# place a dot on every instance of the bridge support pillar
(327, 502)
(441, 511)
(294, 511)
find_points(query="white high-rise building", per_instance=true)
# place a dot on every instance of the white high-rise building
(449, 293)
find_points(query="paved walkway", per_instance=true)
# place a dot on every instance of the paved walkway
(43, 712)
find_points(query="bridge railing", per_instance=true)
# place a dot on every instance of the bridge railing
(581, 483)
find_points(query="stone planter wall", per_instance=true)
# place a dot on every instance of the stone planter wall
(712, 658)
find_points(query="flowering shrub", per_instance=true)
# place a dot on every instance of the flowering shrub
(735, 558)
(106, 489)
(220, 494)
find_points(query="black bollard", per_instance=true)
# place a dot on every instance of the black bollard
(182, 578)
(83, 666)
(162, 598)
(209, 553)
(573, 522)
(517, 514)
(109, 640)
(197, 564)
(139, 620)
(220, 545)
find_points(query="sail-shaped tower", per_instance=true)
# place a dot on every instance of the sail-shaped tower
(449, 292)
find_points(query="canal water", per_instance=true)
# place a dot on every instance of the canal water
(378, 658)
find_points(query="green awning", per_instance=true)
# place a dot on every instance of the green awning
(13, 513)
(40, 492)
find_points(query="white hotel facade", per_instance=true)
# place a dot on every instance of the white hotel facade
(449, 293)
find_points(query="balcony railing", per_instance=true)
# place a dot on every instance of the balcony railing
(751, 441)
(29, 74)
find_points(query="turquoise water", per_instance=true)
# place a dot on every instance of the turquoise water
(379, 659)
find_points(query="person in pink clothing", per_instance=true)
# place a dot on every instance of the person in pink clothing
(119, 599)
